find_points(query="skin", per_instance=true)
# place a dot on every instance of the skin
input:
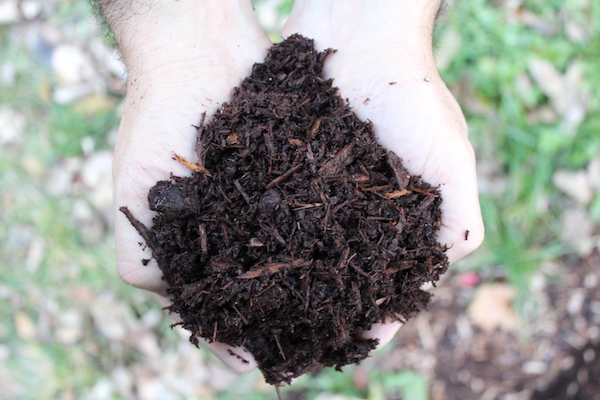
(184, 57)
(385, 67)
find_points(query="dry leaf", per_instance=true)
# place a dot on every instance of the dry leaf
(574, 184)
(565, 91)
(551, 83)
(492, 309)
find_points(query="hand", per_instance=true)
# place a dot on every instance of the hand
(183, 59)
(384, 66)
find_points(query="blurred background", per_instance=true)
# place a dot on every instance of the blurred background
(519, 319)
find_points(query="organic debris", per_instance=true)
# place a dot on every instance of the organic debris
(296, 231)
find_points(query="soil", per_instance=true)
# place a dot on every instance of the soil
(296, 231)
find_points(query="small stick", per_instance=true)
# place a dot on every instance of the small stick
(359, 269)
(190, 165)
(278, 392)
(425, 192)
(343, 261)
(343, 158)
(144, 232)
(396, 194)
(239, 187)
(241, 315)
(279, 347)
(203, 240)
(223, 194)
(315, 127)
(373, 188)
(284, 176)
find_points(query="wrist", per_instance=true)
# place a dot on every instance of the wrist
(401, 21)
(154, 34)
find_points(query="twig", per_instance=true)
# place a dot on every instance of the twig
(284, 176)
(190, 165)
(239, 187)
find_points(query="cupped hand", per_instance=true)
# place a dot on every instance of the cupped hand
(186, 65)
(384, 66)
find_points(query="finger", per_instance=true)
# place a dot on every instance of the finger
(438, 149)
(132, 254)
(383, 331)
(135, 264)
(462, 230)
(236, 358)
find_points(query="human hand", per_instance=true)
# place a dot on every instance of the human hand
(384, 66)
(183, 59)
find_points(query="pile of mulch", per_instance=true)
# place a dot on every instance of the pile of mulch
(297, 231)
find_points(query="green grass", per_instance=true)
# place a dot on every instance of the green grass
(494, 53)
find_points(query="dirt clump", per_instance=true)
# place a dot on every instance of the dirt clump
(297, 231)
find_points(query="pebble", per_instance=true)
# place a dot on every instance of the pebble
(575, 301)
(590, 280)
(535, 367)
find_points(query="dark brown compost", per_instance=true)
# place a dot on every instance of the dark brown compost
(296, 231)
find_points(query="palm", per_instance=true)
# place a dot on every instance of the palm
(396, 86)
(415, 116)
(158, 117)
